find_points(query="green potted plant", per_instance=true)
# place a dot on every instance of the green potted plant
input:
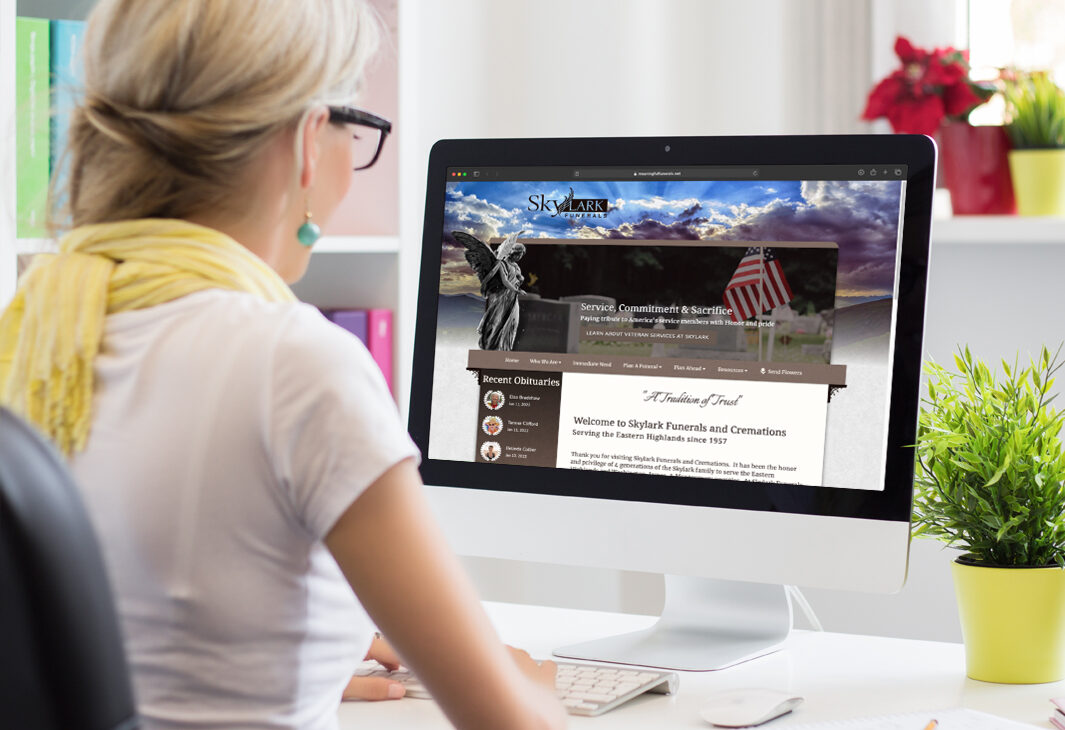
(1036, 108)
(991, 481)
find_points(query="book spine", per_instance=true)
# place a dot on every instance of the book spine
(379, 341)
(354, 321)
(31, 126)
(67, 79)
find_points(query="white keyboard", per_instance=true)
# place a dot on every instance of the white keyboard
(585, 689)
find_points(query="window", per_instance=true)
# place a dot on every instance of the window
(1021, 33)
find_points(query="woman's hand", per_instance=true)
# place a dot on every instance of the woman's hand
(381, 688)
(383, 653)
(377, 688)
(543, 673)
(373, 689)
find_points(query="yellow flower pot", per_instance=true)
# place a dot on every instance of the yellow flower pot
(1039, 181)
(1013, 622)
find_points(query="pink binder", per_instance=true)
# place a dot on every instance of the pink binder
(379, 340)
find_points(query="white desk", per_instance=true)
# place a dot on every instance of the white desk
(840, 675)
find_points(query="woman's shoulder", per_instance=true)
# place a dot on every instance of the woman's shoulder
(292, 334)
(250, 309)
(237, 311)
(297, 335)
(215, 309)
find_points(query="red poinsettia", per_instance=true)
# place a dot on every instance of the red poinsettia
(930, 87)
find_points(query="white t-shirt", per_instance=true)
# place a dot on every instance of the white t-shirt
(228, 436)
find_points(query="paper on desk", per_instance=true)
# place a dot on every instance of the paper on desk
(956, 719)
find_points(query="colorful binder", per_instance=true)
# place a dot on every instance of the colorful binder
(67, 81)
(379, 341)
(31, 126)
(354, 321)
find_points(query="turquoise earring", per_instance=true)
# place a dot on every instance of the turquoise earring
(309, 232)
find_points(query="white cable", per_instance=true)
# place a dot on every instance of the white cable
(807, 609)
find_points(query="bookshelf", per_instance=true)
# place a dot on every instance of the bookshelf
(356, 267)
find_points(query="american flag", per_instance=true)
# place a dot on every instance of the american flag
(757, 286)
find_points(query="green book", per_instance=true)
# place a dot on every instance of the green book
(31, 126)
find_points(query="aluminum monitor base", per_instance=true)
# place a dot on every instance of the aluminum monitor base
(706, 625)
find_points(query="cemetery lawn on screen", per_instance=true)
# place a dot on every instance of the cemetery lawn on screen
(790, 350)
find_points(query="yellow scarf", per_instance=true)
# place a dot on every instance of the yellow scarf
(51, 331)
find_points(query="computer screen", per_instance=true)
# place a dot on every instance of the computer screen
(720, 323)
(730, 327)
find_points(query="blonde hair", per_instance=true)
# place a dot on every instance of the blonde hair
(181, 94)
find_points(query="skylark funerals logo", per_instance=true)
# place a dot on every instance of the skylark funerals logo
(570, 207)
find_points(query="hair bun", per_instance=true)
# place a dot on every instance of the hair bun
(155, 132)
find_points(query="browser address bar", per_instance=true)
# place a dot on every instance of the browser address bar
(678, 173)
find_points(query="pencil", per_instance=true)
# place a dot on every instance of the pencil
(932, 725)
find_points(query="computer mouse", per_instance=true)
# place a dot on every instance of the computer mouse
(747, 707)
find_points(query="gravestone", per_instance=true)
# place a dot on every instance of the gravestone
(544, 326)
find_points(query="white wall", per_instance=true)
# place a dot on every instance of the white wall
(501, 68)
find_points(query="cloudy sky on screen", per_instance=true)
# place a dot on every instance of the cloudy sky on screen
(861, 217)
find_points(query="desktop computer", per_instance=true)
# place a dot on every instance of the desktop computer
(692, 356)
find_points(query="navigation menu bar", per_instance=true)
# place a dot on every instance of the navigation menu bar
(674, 367)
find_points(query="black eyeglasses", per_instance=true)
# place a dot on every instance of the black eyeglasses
(371, 141)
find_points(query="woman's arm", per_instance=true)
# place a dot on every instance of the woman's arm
(395, 557)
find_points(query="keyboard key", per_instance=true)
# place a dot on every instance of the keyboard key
(593, 696)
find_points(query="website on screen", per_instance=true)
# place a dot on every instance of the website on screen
(727, 329)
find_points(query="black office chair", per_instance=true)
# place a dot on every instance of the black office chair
(62, 665)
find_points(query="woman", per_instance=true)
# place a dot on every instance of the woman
(234, 447)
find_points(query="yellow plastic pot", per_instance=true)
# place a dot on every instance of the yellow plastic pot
(1013, 622)
(1039, 181)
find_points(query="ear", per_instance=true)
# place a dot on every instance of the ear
(309, 144)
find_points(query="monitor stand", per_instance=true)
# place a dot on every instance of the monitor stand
(706, 624)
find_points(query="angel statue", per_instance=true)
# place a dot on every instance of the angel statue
(501, 279)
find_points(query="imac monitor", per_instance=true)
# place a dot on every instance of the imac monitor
(692, 356)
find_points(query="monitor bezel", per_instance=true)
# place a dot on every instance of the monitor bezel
(893, 503)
